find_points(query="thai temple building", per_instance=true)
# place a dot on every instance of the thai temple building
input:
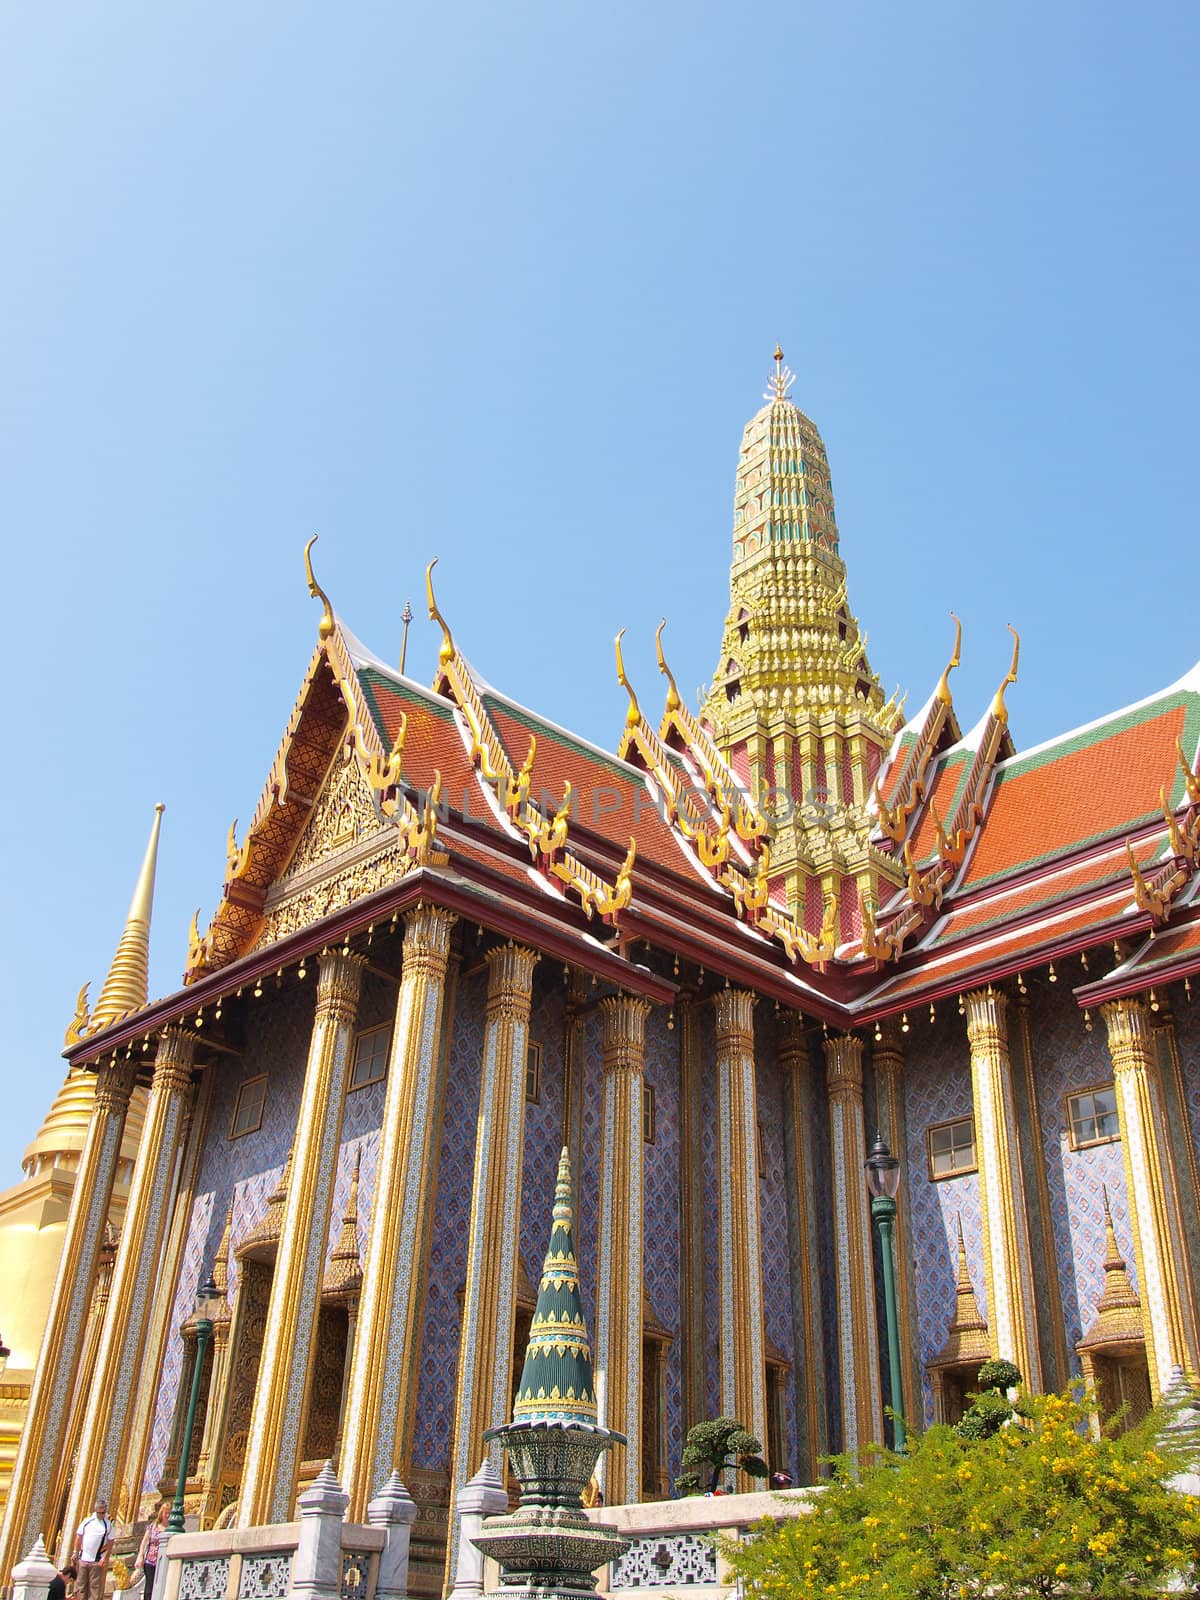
(711, 961)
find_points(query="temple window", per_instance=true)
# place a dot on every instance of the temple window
(1092, 1116)
(776, 1440)
(649, 1127)
(656, 1346)
(370, 1056)
(951, 1148)
(248, 1112)
(533, 1075)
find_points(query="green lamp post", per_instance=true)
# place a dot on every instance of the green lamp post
(883, 1180)
(208, 1293)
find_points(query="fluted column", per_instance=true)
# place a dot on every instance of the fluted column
(887, 1057)
(384, 1368)
(691, 1213)
(108, 1412)
(484, 1390)
(743, 1366)
(1153, 1207)
(811, 1423)
(33, 1483)
(857, 1337)
(273, 1448)
(1011, 1310)
(619, 1286)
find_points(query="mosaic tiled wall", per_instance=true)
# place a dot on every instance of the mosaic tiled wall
(712, 1244)
(243, 1172)
(661, 1214)
(543, 1120)
(1067, 1058)
(773, 1209)
(451, 1215)
(937, 1081)
(1186, 1010)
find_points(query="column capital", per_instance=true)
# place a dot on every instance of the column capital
(174, 1059)
(987, 1012)
(339, 983)
(427, 930)
(793, 1039)
(114, 1085)
(843, 1065)
(1130, 1041)
(510, 979)
(623, 1046)
(887, 1053)
(734, 1009)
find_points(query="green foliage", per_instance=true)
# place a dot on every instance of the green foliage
(711, 1448)
(992, 1407)
(1038, 1509)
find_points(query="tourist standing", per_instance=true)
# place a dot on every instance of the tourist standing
(93, 1541)
(147, 1556)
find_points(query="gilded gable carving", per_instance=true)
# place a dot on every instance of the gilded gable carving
(343, 814)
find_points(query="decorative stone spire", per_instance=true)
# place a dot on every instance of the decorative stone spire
(262, 1241)
(794, 706)
(967, 1330)
(1118, 1310)
(125, 988)
(556, 1380)
(343, 1275)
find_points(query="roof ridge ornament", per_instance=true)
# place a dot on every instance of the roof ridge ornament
(447, 652)
(943, 688)
(673, 700)
(325, 626)
(781, 380)
(633, 716)
(999, 709)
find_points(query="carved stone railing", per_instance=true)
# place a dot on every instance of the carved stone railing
(672, 1551)
(259, 1563)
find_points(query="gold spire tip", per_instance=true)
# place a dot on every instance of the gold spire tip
(781, 380)
(325, 626)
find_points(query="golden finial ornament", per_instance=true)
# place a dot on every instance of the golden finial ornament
(125, 988)
(943, 688)
(78, 1024)
(781, 379)
(325, 626)
(999, 709)
(673, 700)
(1191, 778)
(446, 651)
(406, 617)
(633, 715)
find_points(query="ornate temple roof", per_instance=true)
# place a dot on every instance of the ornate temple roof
(926, 861)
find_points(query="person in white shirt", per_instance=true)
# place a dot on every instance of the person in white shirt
(93, 1541)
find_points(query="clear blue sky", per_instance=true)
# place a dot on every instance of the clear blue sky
(502, 284)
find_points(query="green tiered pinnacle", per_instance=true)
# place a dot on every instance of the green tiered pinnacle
(556, 1380)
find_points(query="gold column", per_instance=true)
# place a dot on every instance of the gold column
(858, 1343)
(691, 1208)
(1011, 1311)
(483, 1396)
(108, 1412)
(887, 1056)
(36, 1484)
(384, 1367)
(619, 1286)
(811, 1423)
(1153, 1208)
(281, 1398)
(743, 1369)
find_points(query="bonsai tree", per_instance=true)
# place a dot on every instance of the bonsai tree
(992, 1408)
(711, 1448)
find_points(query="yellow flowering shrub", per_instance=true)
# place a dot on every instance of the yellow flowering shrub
(1042, 1508)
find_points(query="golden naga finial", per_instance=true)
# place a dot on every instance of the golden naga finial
(1179, 844)
(633, 716)
(550, 838)
(517, 793)
(713, 849)
(77, 1026)
(999, 709)
(827, 942)
(892, 824)
(920, 891)
(383, 772)
(623, 888)
(325, 626)
(446, 652)
(1191, 778)
(1146, 897)
(943, 688)
(673, 700)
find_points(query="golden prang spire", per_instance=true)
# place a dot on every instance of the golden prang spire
(125, 988)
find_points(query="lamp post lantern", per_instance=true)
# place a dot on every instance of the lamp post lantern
(883, 1180)
(208, 1293)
